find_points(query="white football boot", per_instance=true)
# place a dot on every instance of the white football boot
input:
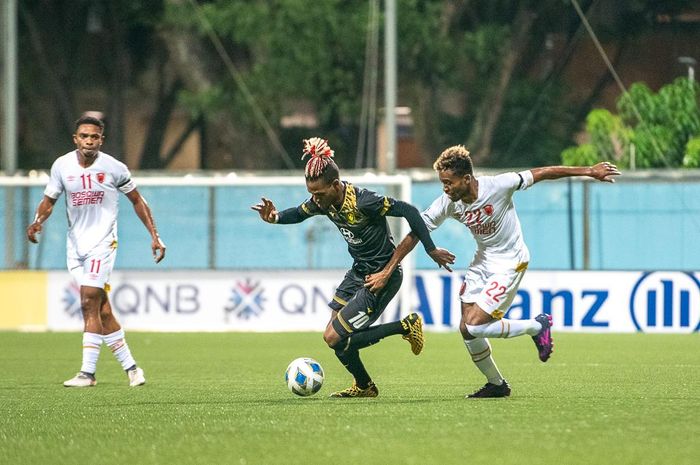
(81, 380)
(136, 377)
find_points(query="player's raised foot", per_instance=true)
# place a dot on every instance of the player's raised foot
(136, 377)
(81, 380)
(355, 391)
(490, 390)
(543, 339)
(413, 332)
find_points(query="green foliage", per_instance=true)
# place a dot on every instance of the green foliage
(583, 155)
(609, 140)
(276, 50)
(205, 103)
(692, 153)
(532, 128)
(656, 126)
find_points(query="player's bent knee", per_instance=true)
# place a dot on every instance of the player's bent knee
(476, 330)
(330, 337)
(465, 331)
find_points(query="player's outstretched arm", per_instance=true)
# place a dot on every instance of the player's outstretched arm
(43, 211)
(266, 209)
(376, 281)
(603, 171)
(419, 232)
(143, 211)
(442, 257)
(269, 214)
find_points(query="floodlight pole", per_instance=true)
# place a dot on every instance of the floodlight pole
(390, 70)
(9, 86)
(390, 83)
(8, 160)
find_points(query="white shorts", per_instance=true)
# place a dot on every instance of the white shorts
(492, 292)
(95, 268)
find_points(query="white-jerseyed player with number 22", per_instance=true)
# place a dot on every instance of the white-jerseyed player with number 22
(484, 205)
(91, 181)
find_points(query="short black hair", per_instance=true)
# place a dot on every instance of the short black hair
(89, 120)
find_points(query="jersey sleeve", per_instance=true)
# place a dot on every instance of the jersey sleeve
(55, 186)
(514, 181)
(309, 208)
(298, 214)
(122, 179)
(374, 204)
(437, 212)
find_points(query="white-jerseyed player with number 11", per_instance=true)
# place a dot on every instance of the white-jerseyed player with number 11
(91, 181)
(484, 205)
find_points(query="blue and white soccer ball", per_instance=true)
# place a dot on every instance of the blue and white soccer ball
(304, 376)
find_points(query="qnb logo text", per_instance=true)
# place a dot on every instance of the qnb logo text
(664, 302)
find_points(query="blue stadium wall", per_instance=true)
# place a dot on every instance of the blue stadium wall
(638, 224)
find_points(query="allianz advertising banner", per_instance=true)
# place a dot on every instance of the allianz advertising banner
(296, 300)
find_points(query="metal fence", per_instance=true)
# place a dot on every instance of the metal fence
(645, 221)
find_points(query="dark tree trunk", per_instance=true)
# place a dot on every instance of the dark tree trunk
(153, 145)
(603, 81)
(119, 76)
(481, 137)
(56, 80)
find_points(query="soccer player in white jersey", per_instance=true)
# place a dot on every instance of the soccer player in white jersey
(91, 181)
(484, 205)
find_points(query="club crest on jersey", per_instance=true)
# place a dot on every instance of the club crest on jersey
(100, 177)
(488, 209)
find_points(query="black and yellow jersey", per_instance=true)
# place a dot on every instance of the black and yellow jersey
(361, 220)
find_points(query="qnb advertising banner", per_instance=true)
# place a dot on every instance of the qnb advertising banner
(650, 302)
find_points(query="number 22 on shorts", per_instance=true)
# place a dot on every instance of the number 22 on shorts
(496, 291)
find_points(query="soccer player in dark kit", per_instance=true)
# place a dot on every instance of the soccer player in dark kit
(360, 216)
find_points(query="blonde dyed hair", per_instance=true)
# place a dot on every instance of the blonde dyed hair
(455, 159)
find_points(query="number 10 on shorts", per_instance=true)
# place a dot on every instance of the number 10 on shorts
(359, 320)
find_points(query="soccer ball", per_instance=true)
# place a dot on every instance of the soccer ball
(304, 376)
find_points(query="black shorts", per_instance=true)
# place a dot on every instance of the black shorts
(357, 307)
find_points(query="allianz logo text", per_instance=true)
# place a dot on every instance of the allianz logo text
(666, 300)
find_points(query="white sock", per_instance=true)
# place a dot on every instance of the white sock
(91, 352)
(117, 344)
(505, 328)
(480, 351)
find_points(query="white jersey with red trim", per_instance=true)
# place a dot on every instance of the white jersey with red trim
(491, 219)
(92, 197)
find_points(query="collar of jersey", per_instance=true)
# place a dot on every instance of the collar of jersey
(350, 200)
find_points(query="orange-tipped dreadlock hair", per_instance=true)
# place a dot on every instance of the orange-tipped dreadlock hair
(321, 156)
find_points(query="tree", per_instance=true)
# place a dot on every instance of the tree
(477, 72)
(88, 55)
(651, 130)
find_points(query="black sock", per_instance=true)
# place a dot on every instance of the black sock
(369, 336)
(350, 358)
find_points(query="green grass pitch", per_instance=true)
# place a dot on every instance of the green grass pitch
(221, 398)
